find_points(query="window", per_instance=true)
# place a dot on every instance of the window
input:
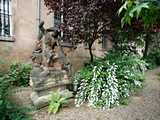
(57, 20)
(5, 18)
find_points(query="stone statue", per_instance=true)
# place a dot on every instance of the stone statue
(51, 67)
(50, 43)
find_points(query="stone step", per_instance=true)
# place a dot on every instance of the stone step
(51, 85)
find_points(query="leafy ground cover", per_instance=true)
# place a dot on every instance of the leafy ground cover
(8, 109)
(18, 73)
(108, 82)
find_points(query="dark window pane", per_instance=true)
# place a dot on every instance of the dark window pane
(5, 18)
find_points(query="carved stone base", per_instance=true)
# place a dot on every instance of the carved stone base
(40, 101)
(45, 82)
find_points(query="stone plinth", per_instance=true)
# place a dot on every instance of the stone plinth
(45, 82)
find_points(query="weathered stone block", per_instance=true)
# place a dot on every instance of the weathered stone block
(40, 101)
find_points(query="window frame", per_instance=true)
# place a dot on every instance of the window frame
(6, 10)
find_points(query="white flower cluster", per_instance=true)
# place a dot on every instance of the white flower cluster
(101, 90)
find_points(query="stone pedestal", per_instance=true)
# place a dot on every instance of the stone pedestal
(45, 82)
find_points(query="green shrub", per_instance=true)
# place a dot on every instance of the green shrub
(110, 81)
(56, 102)
(20, 73)
(8, 110)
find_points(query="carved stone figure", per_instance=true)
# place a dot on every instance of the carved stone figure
(51, 69)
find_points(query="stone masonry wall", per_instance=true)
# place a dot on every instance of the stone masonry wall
(24, 23)
(25, 30)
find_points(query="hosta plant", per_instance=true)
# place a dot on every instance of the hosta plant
(57, 100)
(110, 81)
(100, 89)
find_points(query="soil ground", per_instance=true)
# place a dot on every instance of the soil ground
(143, 106)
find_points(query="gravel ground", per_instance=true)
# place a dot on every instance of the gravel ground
(143, 106)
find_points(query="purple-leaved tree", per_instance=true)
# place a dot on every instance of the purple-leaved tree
(84, 20)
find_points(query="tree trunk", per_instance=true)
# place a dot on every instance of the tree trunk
(146, 45)
(91, 54)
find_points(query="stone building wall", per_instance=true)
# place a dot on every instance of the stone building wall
(25, 22)
(24, 31)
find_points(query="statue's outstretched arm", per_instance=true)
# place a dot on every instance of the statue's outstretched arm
(42, 30)
(41, 27)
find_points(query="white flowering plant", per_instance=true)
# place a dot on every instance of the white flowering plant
(107, 82)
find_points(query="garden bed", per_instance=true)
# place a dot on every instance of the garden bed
(144, 105)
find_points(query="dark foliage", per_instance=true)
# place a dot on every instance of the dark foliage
(143, 15)
(85, 20)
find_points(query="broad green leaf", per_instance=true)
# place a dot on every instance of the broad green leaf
(123, 7)
(55, 96)
(1, 101)
(54, 108)
(138, 8)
